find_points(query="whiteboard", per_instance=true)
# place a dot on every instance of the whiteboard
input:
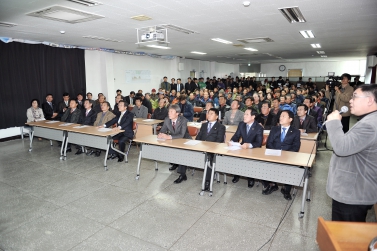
(138, 76)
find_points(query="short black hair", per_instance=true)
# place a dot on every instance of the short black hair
(249, 97)
(49, 94)
(77, 102)
(132, 92)
(34, 99)
(290, 114)
(238, 102)
(137, 98)
(89, 93)
(107, 103)
(305, 106)
(214, 110)
(165, 77)
(266, 103)
(369, 89)
(346, 75)
(210, 102)
(89, 100)
(65, 94)
(119, 90)
(79, 94)
(121, 101)
(275, 99)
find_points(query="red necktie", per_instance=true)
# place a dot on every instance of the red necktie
(174, 125)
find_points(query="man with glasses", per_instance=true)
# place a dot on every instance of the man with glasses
(352, 178)
(342, 98)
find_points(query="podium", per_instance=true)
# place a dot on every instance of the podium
(345, 236)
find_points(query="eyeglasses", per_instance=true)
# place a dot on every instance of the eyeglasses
(355, 96)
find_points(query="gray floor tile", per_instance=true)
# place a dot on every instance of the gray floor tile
(18, 208)
(158, 221)
(219, 232)
(292, 242)
(59, 230)
(111, 239)
(107, 204)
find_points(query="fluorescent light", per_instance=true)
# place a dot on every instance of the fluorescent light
(3, 24)
(307, 34)
(250, 49)
(177, 28)
(221, 40)
(197, 52)
(158, 46)
(316, 45)
(293, 14)
(320, 52)
(323, 56)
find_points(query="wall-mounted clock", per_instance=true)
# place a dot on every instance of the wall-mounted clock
(282, 68)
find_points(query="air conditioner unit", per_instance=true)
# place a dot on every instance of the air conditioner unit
(153, 36)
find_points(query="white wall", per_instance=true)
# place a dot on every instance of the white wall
(106, 72)
(356, 67)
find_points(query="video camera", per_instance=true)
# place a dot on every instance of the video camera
(332, 82)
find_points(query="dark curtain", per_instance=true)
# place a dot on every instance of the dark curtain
(30, 71)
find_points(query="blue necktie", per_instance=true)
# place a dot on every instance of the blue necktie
(209, 127)
(282, 135)
(247, 129)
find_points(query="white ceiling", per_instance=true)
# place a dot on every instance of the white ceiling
(346, 29)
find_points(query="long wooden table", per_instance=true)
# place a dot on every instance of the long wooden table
(345, 236)
(289, 168)
(87, 136)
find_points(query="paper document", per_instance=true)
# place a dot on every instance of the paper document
(149, 120)
(192, 142)
(266, 131)
(273, 152)
(233, 148)
(81, 126)
(226, 127)
(52, 121)
(66, 124)
(234, 143)
(104, 129)
(161, 139)
(304, 134)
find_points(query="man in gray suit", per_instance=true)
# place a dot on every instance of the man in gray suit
(139, 110)
(175, 127)
(352, 179)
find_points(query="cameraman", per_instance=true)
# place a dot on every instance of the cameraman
(352, 178)
(343, 95)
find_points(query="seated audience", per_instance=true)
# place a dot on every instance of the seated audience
(71, 115)
(266, 119)
(34, 113)
(203, 114)
(305, 123)
(139, 110)
(63, 105)
(233, 116)
(88, 117)
(49, 108)
(187, 110)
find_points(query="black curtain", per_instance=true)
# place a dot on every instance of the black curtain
(30, 71)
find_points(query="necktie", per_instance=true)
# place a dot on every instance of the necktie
(131, 101)
(247, 129)
(173, 125)
(282, 136)
(86, 114)
(178, 87)
(120, 118)
(301, 121)
(71, 111)
(50, 104)
(209, 127)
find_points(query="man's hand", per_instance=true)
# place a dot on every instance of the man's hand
(327, 88)
(54, 115)
(163, 136)
(336, 89)
(99, 126)
(116, 129)
(334, 116)
(302, 130)
(230, 143)
(245, 146)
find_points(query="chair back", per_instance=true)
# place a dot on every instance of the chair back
(198, 109)
(149, 116)
(264, 141)
(134, 128)
(193, 131)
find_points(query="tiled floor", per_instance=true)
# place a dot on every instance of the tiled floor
(49, 204)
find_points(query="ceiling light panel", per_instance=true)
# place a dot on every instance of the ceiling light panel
(293, 14)
(64, 14)
(221, 41)
(255, 40)
(250, 49)
(307, 34)
(86, 2)
(103, 38)
(177, 28)
(321, 52)
(9, 25)
(316, 45)
(158, 47)
(198, 52)
(323, 56)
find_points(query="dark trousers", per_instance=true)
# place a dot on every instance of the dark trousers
(209, 170)
(182, 170)
(346, 212)
(346, 123)
(121, 141)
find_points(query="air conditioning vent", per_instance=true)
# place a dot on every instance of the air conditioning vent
(85, 2)
(255, 40)
(64, 14)
(293, 14)
(9, 25)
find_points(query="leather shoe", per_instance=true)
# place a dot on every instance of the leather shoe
(270, 189)
(111, 156)
(78, 151)
(120, 158)
(90, 152)
(235, 179)
(287, 196)
(173, 167)
(69, 150)
(250, 183)
(206, 186)
(98, 153)
(180, 178)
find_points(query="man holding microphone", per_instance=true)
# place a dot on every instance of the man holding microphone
(352, 178)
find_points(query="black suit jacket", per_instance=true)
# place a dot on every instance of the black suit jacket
(75, 116)
(291, 141)
(216, 134)
(309, 124)
(147, 104)
(127, 99)
(254, 137)
(126, 124)
(269, 122)
(313, 113)
(61, 106)
(180, 131)
(88, 119)
(48, 110)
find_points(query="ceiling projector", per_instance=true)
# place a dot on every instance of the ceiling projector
(152, 36)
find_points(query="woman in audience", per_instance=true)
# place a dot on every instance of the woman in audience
(34, 113)
(269, 97)
(233, 116)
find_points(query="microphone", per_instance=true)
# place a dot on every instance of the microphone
(344, 109)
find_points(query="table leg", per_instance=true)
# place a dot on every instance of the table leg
(156, 167)
(107, 153)
(31, 138)
(65, 147)
(154, 129)
(213, 172)
(301, 213)
(138, 164)
(204, 176)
